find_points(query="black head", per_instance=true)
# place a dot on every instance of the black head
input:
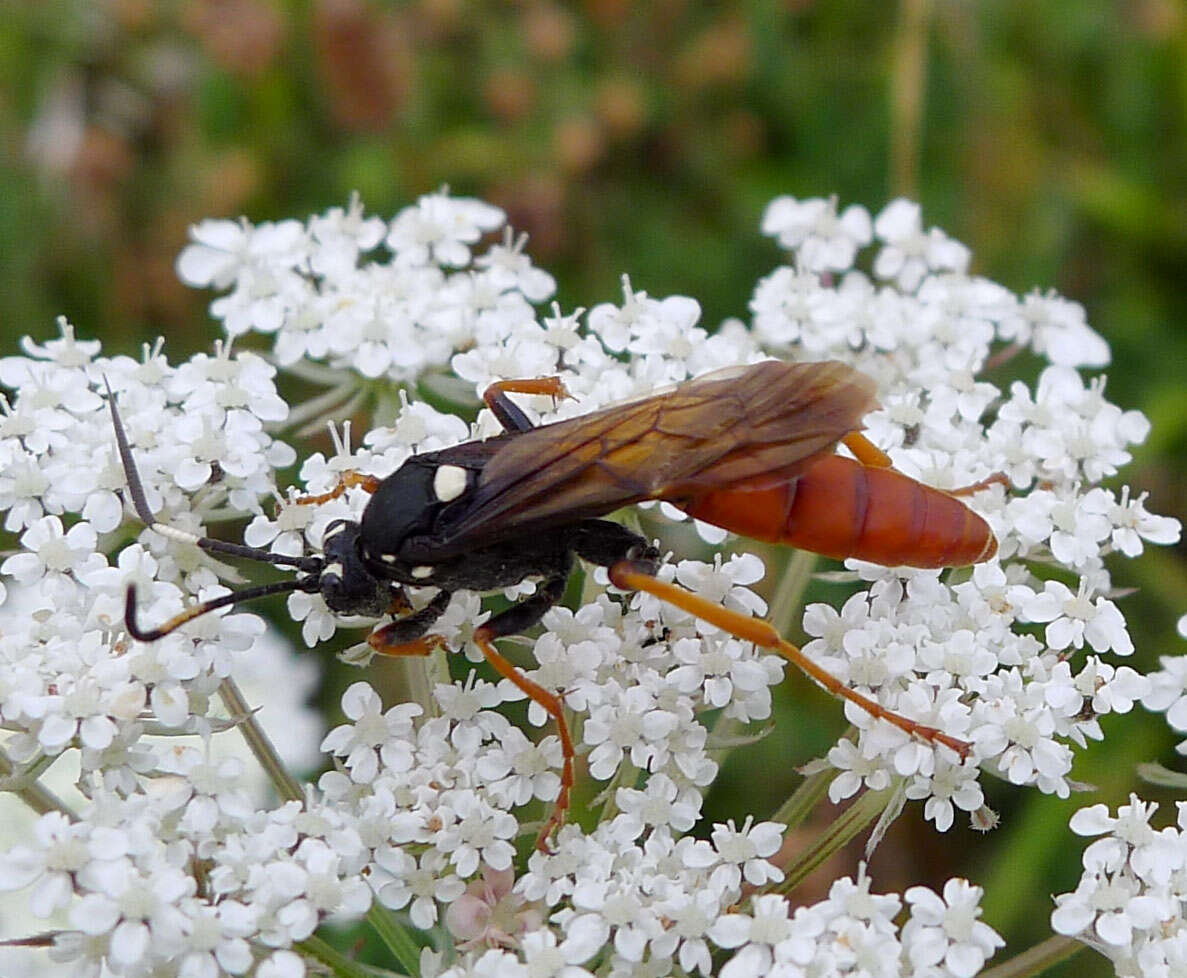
(346, 584)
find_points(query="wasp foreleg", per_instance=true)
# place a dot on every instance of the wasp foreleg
(407, 636)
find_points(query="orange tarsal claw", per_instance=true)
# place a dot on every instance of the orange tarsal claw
(632, 576)
(997, 479)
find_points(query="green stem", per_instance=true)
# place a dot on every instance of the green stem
(24, 784)
(805, 798)
(337, 962)
(420, 674)
(321, 405)
(257, 741)
(907, 81)
(1036, 960)
(626, 774)
(843, 829)
(339, 415)
(396, 938)
(787, 601)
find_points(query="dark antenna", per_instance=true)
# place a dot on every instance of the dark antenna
(311, 566)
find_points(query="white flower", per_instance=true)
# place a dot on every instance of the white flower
(748, 849)
(661, 803)
(51, 549)
(1132, 524)
(174, 864)
(630, 724)
(1075, 618)
(824, 240)
(949, 786)
(60, 849)
(518, 769)
(401, 878)
(373, 734)
(475, 832)
(440, 228)
(545, 957)
(909, 253)
(946, 930)
(1129, 898)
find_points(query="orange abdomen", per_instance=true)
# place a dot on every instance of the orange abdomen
(840, 508)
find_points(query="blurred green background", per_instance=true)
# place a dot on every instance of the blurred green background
(1048, 135)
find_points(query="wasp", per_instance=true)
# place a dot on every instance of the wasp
(750, 449)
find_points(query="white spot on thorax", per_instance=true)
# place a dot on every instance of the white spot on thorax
(449, 482)
(423, 571)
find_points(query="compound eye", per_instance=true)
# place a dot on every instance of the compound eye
(449, 482)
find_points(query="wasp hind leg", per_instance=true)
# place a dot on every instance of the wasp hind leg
(636, 575)
(866, 451)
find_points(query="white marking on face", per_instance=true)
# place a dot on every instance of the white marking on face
(333, 570)
(449, 482)
(423, 571)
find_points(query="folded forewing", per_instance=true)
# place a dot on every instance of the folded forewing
(737, 425)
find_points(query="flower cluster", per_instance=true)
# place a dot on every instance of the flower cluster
(1168, 690)
(1131, 902)
(163, 861)
(852, 932)
(305, 284)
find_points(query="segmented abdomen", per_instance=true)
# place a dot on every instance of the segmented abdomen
(840, 508)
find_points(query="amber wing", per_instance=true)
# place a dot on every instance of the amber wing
(737, 425)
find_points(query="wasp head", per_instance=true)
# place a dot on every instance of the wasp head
(344, 580)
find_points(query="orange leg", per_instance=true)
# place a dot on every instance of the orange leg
(405, 637)
(505, 410)
(483, 637)
(348, 480)
(866, 451)
(425, 645)
(633, 576)
(400, 606)
(535, 385)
